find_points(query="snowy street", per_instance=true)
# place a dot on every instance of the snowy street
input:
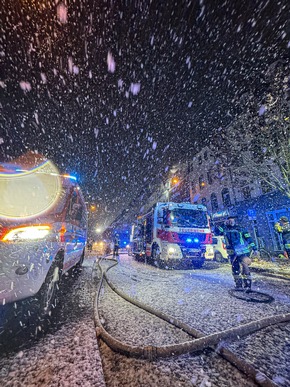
(200, 299)
(65, 352)
(68, 353)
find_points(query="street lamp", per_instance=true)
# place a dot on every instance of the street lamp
(93, 207)
(174, 181)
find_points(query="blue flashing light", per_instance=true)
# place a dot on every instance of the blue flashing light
(188, 240)
(70, 177)
(196, 240)
(125, 243)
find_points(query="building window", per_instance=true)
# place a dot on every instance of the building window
(214, 202)
(226, 197)
(246, 191)
(201, 182)
(209, 177)
(203, 201)
(199, 160)
(205, 156)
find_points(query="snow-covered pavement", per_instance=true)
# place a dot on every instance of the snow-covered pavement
(68, 354)
(200, 299)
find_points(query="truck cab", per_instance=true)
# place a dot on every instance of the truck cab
(172, 235)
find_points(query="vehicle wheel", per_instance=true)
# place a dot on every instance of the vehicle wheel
(198, 265)
(218, 257)
(81, 261)
(49, 288)
(155, 256)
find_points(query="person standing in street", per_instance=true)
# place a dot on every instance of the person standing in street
(283, 228)
(116, 246)
(239, 245)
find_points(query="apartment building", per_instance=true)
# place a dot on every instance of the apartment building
(209, 180)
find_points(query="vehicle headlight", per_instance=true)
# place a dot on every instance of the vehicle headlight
(26, 233)
(171, 250)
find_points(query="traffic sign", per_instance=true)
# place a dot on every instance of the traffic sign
(252, 214)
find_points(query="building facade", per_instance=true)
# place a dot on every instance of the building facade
(209, 180)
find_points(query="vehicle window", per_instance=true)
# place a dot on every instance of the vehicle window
(188, 218)
(75, 211)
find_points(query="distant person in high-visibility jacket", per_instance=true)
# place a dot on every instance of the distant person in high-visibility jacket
(283, 227)
(239, 245)
(116, 245)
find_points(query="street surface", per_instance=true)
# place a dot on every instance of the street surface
(62, 351)
(65, 350)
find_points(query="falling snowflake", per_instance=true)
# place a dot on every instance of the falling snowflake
(62, 13)
(43, 77)
(135, 88)
(25, 86)
(262, 110)
(111, 63)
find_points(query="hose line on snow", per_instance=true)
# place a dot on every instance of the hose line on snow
(201, 341)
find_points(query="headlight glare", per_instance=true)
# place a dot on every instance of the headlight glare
(26, 233)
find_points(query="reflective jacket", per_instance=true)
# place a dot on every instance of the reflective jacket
(238, 240)
(116, 242)
(285, 231)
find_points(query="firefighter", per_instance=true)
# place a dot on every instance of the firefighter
(116, 246)
(283, 227)
(239, 245)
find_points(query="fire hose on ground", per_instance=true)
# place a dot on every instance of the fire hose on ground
(200, 343)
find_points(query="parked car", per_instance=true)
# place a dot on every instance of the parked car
(43, 232)
(219, 247)
(209, 252)
(101, 248)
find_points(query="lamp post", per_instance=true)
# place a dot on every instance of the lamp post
(172, 183)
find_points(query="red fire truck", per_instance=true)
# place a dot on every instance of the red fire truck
(172, 235)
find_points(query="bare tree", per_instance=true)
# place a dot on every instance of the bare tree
(257, 142)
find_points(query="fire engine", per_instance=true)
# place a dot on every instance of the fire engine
(172, 235)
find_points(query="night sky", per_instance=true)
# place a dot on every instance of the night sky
(116, 92)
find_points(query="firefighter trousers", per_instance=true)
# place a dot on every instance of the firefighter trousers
(241, 270)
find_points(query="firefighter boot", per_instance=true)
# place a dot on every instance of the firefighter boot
(247, 284)
(238, 283)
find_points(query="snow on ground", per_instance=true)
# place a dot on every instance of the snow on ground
(196, 297)
(67, 356)
(70, 357)
(199, 298)
(205, 369)
(268, 350)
